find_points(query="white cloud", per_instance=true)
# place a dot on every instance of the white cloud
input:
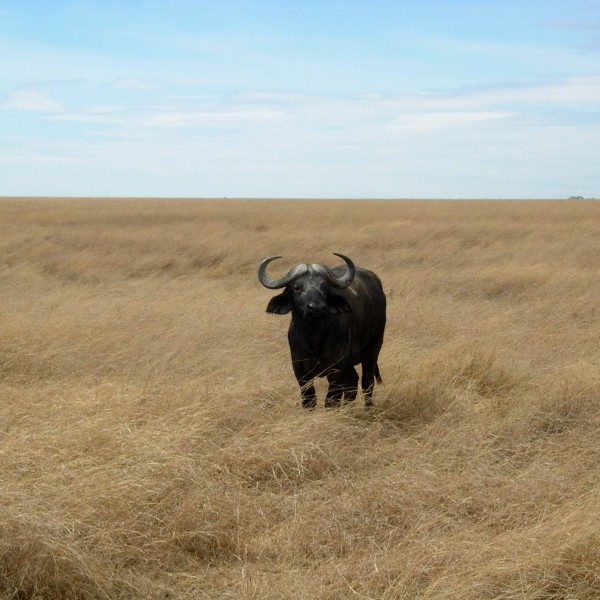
(135, 83)
(285, 113)
(104, 109)
(217, 118)
(270, 143)
(31, 100)
(443, 120)
(84, 118)
(574, 91)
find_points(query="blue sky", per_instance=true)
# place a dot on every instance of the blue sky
(290, 98)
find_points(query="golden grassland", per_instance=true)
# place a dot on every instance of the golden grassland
(152, 441)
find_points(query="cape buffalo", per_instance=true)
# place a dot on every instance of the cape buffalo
(338, 320)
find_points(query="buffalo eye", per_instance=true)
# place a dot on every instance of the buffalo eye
(298, 288)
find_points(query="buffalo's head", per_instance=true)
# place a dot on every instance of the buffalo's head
(310, 290)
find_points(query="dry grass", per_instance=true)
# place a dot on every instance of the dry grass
(152, 441)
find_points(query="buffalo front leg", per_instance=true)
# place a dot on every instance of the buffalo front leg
(307, 388)
(309, 395)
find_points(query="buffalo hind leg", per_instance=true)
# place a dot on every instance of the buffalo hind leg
(370, 372)
(334, 392)
(351, 385)
(341, 384)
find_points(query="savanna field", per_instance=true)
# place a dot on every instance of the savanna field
(152, 441)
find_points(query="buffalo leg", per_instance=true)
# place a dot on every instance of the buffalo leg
(334, 392)
(351, 385)
(309, 396)
(342, 383)
(334, 397)
(369, 369)
(305, 381)
(368, 383)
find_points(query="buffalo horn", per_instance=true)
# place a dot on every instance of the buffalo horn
(345, 280)
(272, 284)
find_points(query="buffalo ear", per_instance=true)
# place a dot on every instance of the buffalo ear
(337, 305)
(279, 305)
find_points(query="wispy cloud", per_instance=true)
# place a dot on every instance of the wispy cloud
(84, 118)
(319, 118)
(31, 100)
(136, 83)
(407, 112)
(574, 91)
(431, 121)
(206, 119)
